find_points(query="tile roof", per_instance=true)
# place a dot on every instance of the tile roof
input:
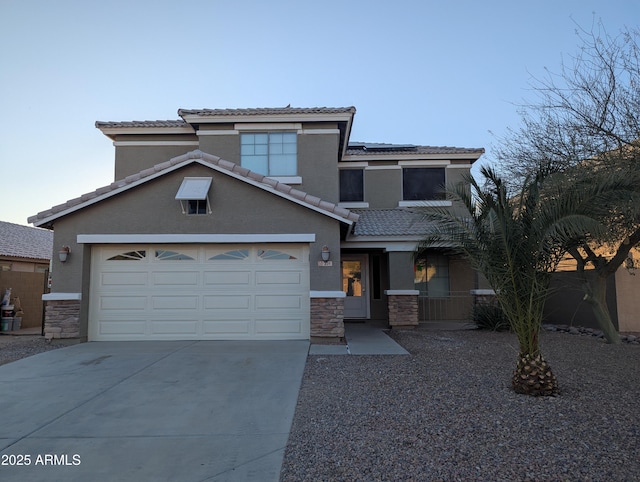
(368, 148)
(390, 222)
(267, 111)
(222, 165)
(25, 242)
(145, 123)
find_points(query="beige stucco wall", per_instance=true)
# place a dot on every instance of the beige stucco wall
(628, 300)
(133, 159)
(317, 157)
(382, 187)
(151, 208)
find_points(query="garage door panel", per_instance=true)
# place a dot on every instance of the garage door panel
(174, 327)
(174, 278)
(123, 303)
(278, 277)
(223, 292)
(174, 302)
(227, 302)
(275, 302)
(227, 327)
(226, 278)
(124, 278)
(278, 325)
(122, 327)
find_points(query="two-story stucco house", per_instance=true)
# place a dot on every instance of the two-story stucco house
(250, 224)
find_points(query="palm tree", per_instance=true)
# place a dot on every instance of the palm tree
(516, 242)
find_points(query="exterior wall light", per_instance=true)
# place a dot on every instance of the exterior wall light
(64, 253)
(326, 254)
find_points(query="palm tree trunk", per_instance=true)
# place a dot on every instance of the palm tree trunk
(595, 288)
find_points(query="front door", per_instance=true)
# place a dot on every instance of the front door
(354, 284)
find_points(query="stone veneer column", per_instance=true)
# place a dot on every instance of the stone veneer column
(62, 315)
(403, 308)
(327, 316)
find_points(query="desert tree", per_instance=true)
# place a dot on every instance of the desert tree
(585, 122)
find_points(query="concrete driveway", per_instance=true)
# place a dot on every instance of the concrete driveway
(183, 411)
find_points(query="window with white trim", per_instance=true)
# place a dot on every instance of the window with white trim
(270, 153)
(423, 183)
(432, 276)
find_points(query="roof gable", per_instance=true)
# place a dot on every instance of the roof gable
(228, 168)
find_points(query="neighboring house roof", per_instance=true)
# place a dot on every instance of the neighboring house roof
(19, 241)
(226, 167)
(394, 222)
(368, 148)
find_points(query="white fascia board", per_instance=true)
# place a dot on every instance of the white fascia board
(425, 204)
(154, 143)
(459, 166)
(353, 205)
(327, 294)
(287, 179)
(319, 131)
(348, 164)
(194, 238)
(269, 126)
(425, 163)
(386, 245)
(382, 168)
(221, 132)
(146, 130)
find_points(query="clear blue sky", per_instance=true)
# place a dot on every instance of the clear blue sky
(418, 71)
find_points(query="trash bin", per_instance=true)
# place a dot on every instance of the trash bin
(6, 323)
(17, 321)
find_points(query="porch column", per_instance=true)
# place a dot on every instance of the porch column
(62, 315)
(327, 316)
(402, 297)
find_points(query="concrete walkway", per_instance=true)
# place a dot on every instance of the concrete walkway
(150, 411)
(362, 339)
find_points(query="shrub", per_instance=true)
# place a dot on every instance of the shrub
(490, 317)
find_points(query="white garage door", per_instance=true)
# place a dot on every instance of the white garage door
(191, 292)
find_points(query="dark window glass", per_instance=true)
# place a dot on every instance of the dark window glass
(423, 184)
(351, 185)
(197, 206)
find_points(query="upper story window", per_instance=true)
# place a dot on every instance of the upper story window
(270, 154)
(351, 185)
(423, 183)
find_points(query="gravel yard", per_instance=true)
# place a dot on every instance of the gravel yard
(14, 348)
(447, 412)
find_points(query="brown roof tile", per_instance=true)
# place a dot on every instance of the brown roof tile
(145, 123)
(368, 148)
(267, 111)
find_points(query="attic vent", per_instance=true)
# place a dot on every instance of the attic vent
(194, 195)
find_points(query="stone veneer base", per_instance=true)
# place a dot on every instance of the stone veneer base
(403, 311)
(327, 320)
(62, 319)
